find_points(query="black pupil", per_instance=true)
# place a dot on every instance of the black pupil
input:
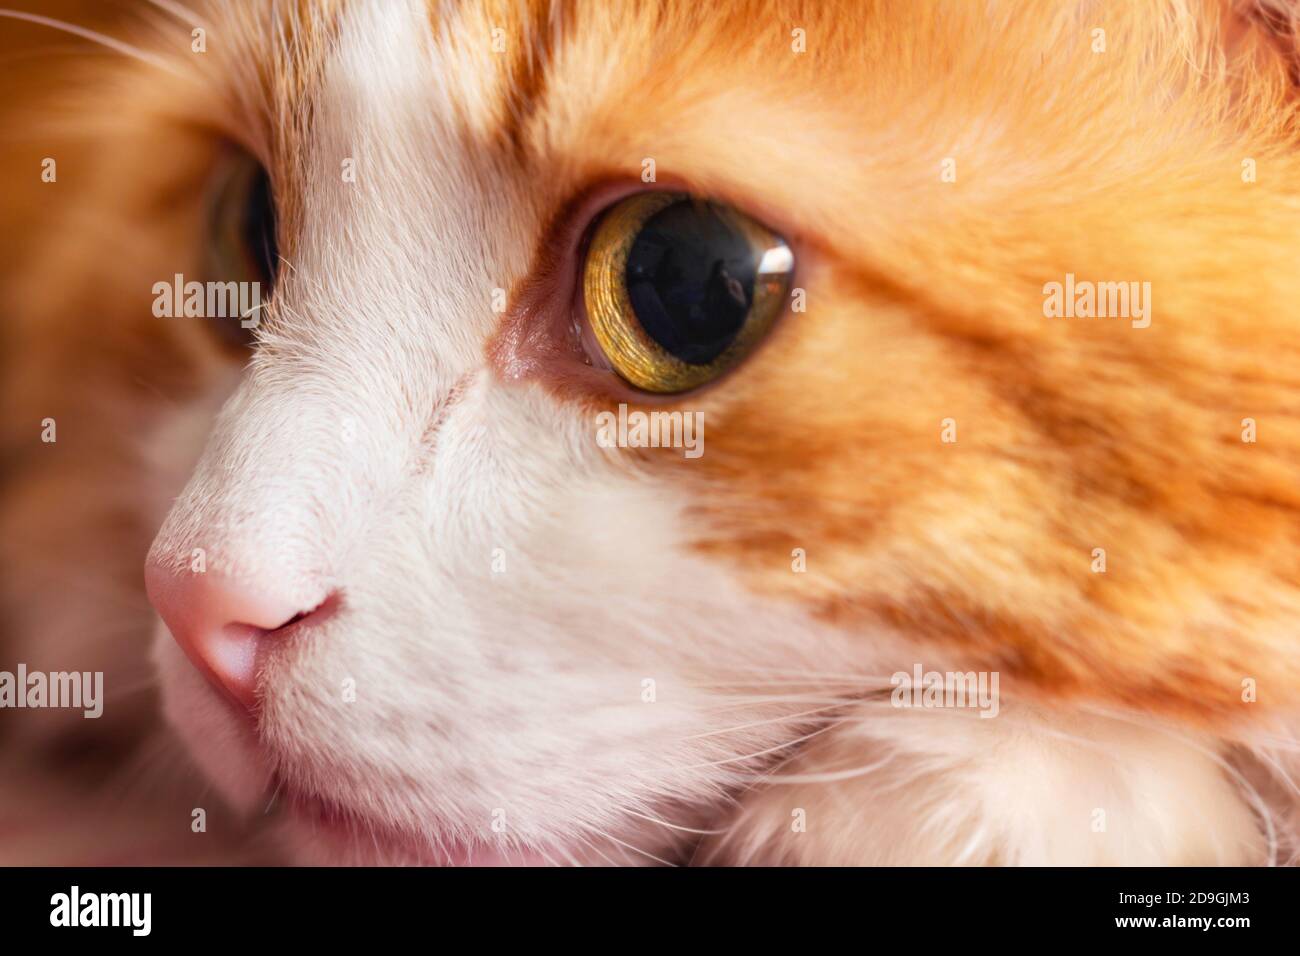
(690, 279)
(245, 246)
(259, 230)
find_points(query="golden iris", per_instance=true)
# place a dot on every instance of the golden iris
(679, 289)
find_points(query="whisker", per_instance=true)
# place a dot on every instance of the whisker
(275, 795)
(94, 36)
(671, 826)
(544, 855)
(597, 850)
(645, 853)
(737, 800)
(744, 701)
(770, 720)
(761, 753)
(830, 776)
(1281, 771)
(1252, 795)
(568, 857)
(181, 13)
(795, 675)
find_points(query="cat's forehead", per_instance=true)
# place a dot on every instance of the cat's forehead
(735, 98)
(730, 100)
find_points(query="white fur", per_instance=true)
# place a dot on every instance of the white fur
(1030, 788)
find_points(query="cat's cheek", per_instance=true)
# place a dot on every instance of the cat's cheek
(220, 742)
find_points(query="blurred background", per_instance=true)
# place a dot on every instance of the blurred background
(77, 256)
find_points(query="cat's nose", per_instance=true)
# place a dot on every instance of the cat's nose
(220, 623)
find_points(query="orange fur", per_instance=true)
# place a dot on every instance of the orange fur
(925, 303)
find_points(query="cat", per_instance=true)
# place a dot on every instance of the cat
(407, 608)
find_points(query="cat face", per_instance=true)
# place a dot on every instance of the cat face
(408, 588)
(511, 651)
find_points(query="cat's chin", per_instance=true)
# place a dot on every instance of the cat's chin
(314, 832)
(310, 849)
(314, 835)
(311, 832)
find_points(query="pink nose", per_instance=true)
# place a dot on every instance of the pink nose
(220, 623)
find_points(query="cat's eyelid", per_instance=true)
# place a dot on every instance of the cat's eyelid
(542, 334)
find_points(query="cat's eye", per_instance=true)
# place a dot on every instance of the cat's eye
(678, 289)
(241, 241)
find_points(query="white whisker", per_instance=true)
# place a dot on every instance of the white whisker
(94, 36)
(789, 718)
(671, 826)
(183, 14)
(634, 849)
(760, 753)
